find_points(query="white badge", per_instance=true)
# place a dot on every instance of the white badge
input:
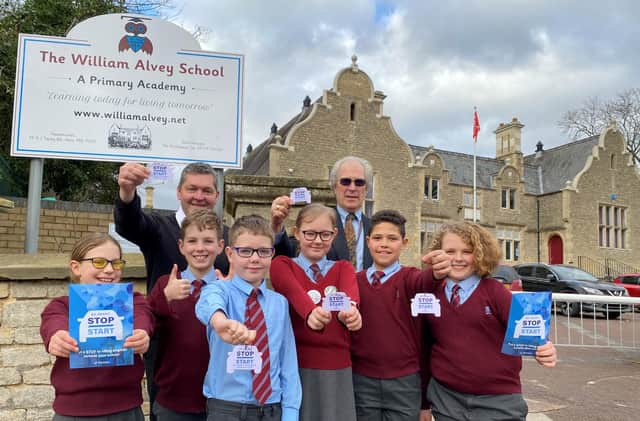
(244, 357)
(160, 172)
(424, 303)
(315, 295)
(330, 290)
(337, 301)
(300, 195)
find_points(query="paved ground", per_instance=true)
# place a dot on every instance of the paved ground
(588, 383)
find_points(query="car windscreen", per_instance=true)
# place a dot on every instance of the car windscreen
(574, 273)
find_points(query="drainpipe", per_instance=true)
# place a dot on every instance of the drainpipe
(538, 225)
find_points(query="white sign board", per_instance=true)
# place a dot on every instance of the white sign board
(127, 88)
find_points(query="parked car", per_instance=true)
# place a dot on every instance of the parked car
(631, 282)
(508, 276)
(571, 280)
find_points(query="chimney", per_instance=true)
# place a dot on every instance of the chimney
(539, 149)
(508, 138)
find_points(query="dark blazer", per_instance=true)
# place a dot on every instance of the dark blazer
(288, 246)
(157, 236)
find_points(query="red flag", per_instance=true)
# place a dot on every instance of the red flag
(476, 126)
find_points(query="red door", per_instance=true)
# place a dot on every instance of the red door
(556, 256)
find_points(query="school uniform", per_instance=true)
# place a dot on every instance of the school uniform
(230, 395)
(104, 392)
(182, 354)
(386, 352)
(323, 356)
(460, 387)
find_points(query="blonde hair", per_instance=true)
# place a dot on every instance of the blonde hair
(313, 211)
(486, 253)
(87, 243)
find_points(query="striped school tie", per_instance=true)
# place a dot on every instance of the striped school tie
(376, 278)
(254, 319)
(317, 274)
(455, 295)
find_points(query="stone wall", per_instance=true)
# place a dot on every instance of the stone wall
(27, 284)
(61, 224)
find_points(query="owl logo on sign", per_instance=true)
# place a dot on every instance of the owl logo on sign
(133, 40)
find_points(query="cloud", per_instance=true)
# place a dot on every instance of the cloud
(435, 61)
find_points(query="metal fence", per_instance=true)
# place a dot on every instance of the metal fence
(595, 321)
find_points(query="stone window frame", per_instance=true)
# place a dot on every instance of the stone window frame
(508, 198)
(467, 205)
(428, 230)
(510, 243)
(368, 198)
(429, 181)
(612, 226)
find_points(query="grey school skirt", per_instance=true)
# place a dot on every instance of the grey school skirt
(327, 395)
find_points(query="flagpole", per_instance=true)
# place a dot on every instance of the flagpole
(475, 204)
(475, 140)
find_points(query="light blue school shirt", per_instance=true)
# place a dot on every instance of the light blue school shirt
(358, 229)
(231, 297)
(324, 264)
(208, 277)
(389, 271)
(466, 288)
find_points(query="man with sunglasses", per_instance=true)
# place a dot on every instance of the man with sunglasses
(349, 179)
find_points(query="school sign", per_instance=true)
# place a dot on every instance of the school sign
(127, 88)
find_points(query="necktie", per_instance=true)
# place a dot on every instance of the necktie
(350, 236)
(455, 295)
(317, 275)
(376, 278)
(254, 319)
(197, 286)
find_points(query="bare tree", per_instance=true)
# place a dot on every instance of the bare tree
(595, 115)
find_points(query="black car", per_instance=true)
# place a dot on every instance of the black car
(571, 280)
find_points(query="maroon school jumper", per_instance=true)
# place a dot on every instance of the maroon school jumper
(389, 343)
(182, 356)
(326, 349)
(466, 355)
(90, 392)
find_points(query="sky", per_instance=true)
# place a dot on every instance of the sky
(435, 61)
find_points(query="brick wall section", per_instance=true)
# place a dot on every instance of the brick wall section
(26, 286)
(61, 224)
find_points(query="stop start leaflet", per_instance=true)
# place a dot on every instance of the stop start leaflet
(529, 323)
(100, 319)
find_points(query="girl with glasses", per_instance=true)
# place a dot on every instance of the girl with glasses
(322, 337)
(101, 393)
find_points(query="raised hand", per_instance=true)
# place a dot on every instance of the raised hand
(130, 176)
(440, 263)
(279, 212)
(176, 289)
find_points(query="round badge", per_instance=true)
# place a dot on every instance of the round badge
(314, 295)
(330, 290)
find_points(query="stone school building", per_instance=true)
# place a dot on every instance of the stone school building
(570, 204)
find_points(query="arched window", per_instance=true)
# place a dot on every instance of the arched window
(613, 162)
(352, 112)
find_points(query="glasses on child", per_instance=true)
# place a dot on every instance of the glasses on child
(248, 251)
(359, 182)
(312, 235)
(101, 262)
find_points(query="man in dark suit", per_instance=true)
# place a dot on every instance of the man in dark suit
(349, 178)
(157, 235)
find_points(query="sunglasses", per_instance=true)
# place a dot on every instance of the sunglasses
(101, 263)
(247, 252)
(312, 235)
(359, 182)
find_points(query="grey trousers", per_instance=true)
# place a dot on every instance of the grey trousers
(166, 414)
(327, 395)
(134, 414)
(449, 405)
(387, 399)
(219, 410)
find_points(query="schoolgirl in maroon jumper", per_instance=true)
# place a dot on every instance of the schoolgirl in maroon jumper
(322, 338)
(102, 393)
(470, 377)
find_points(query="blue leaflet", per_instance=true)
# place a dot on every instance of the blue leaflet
(100, 319)
(529, 323)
